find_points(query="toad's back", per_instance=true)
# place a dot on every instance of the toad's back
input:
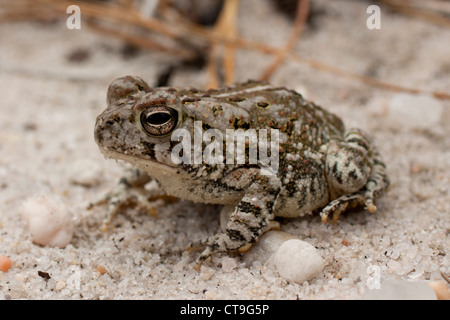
(299, 121)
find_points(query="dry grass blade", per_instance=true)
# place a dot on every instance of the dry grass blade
(228, 24)
(141, 42)
(225, 26)
(300, 21)
(436, 12)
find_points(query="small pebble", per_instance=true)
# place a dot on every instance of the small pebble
(20, 277)
(101, 270)
(48, 220)
(60, 285)
(298, 261)
(228, 264)
(266, 247)
(294, 259)
(206, 273)
(5, 263)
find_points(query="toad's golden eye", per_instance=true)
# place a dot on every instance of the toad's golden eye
(159, 120)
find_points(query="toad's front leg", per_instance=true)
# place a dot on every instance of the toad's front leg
(129, 192)
(251, 218)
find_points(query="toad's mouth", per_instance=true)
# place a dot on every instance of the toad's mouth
(151, 166)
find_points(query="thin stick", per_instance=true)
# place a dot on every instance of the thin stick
(300, 21)
(431, 11)
(228, 25)
(141, 42)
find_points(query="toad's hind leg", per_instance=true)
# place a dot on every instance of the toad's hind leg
(378, 182)
(348, 163)
(340, 205)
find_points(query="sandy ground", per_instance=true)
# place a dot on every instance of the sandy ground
(48, 108)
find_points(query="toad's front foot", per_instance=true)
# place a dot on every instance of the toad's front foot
(222, 242)
(129, 192)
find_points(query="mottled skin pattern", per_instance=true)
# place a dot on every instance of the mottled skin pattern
(322, 167)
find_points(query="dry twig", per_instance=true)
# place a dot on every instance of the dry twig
(226, 26)
(433, 11)
(299, 23)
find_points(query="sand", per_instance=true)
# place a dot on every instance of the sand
(48, 108)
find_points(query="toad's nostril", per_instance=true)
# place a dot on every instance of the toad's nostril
(98, 137)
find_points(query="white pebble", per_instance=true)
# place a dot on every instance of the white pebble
(298, 261)
(294, 259)
(48, 220)
(60, 285)
(415, 111)
(228, 264)
(19, 277)
(266, 247)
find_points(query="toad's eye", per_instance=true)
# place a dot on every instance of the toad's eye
(159, 120)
